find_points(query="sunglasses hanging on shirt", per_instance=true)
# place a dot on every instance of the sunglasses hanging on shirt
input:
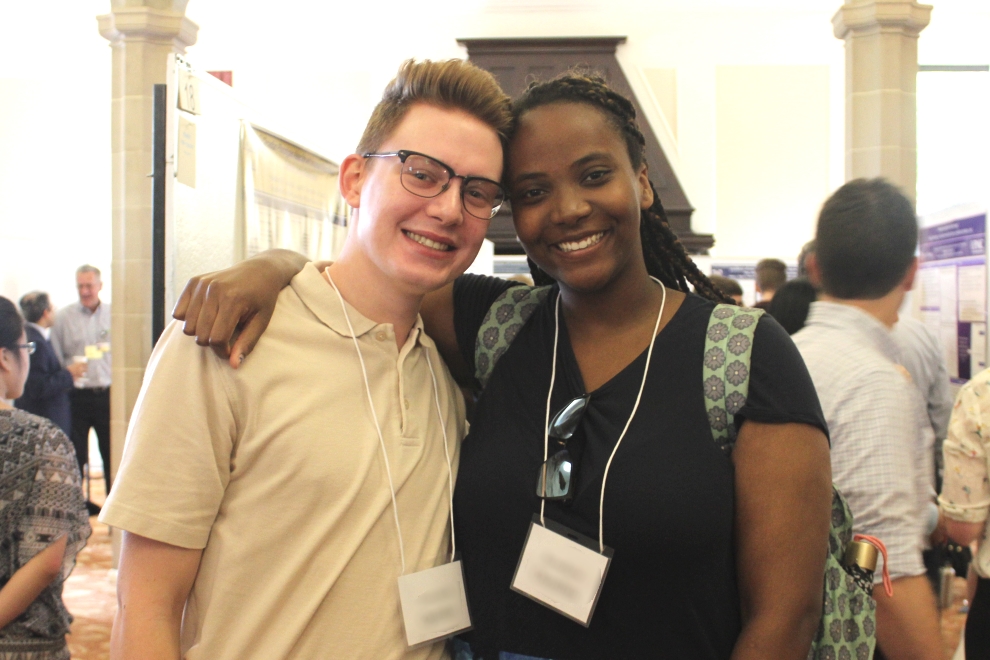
(557, 474)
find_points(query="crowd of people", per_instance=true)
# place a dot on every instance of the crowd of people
(311, 487)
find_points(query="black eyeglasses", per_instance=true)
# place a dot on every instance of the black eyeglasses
(425, 176)
(556, 477)
(30, 346)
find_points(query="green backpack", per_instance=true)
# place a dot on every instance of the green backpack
(847, 630)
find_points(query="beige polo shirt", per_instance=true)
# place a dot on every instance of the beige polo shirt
(276, 470)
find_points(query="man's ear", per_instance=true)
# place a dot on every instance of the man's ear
(814, 273)
(645, 189)
(350, 180)
(908, 282)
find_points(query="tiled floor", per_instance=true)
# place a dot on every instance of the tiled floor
(90, 596)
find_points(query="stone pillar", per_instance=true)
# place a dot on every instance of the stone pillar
(142, 34)
(881, 39)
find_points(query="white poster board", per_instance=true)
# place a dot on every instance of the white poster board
(950, 293)
(205, 219)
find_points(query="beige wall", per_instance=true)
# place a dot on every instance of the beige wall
(772, 155)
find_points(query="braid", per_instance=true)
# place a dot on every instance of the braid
(665, 257)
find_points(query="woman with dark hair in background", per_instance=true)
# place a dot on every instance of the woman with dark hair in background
(43, 518)
(699, 568)
(791, 303)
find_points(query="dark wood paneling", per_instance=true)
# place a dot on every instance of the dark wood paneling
(516, 62)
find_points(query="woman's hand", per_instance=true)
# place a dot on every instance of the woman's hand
(228, 310)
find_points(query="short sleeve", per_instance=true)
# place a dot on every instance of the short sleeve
(965, 493)
(473, 296)
(54, 505)
(780, 387)
(177, 456)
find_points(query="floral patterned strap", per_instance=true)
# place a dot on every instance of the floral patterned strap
(728, 349)
(507, 315)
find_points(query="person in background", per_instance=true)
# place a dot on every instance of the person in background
(81, 332)
(729, 287)
(43, 518)
(770, 276)
(46, 392)
(920, 353)
(922, 356)
(866, 238)
(965, 499)
(791, 303)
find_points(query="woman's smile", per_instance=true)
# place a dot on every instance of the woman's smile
(576, 245)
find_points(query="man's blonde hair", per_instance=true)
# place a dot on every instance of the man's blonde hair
(452, 84)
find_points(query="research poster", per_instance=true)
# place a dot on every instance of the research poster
(951, 290)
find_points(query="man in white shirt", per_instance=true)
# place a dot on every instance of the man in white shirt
(272, 509)
(81, 333)
(881, 440)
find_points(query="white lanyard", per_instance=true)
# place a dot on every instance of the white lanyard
(642, 385)
(381, 439)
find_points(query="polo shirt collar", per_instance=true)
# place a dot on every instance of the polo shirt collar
(855, 322)
(317, 294)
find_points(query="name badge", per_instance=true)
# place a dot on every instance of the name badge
(562, 570)
(434, 603)
(93, 352)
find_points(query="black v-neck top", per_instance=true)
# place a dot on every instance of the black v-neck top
(669, 501)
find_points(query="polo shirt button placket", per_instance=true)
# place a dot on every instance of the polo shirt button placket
(381, 335)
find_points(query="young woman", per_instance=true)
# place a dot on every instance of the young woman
(43, 518)
(715, 556)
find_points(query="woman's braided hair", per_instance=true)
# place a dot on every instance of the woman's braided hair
(665, 257)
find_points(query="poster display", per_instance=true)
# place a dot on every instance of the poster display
(290, 198)
(950, 294)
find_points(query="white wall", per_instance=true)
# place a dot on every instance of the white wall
(54, 146)
(320, 67)
(327, 79)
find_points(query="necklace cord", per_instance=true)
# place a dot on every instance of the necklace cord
(639, 396)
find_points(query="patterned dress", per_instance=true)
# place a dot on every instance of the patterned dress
(41, 499)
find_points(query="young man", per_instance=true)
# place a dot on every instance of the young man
(770, 276)
(272, 509)
(881, 440)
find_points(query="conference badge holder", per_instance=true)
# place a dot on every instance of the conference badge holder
(434, 603)
(562, 570)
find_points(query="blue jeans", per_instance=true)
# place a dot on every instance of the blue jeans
(461, 650)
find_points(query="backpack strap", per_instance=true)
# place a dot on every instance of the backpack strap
(728, 351)
(507, 315)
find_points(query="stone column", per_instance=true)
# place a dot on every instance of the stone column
(142, 34)
(881, 76)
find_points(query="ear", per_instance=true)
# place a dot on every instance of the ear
(814, 273)
(351, 178)
(645, 189)
(908, 282)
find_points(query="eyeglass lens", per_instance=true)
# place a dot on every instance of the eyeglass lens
(555, 477)
(556, 474)
(427, 178)
(565, 422)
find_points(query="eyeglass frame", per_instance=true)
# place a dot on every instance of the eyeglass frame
(403, 154)
(562, 456)
(31, 347)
